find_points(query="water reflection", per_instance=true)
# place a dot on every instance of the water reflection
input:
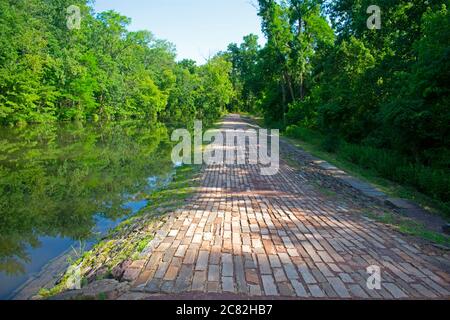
(64, 183)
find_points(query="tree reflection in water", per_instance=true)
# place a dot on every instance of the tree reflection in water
(56, 180)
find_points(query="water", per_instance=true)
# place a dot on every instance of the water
(62, 184)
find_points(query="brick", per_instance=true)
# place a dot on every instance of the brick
(215, 256)
(190, 257)
(240, 275)
(291, 272)
(300, 290)
(181, 251)
(395, 291)
(284, 257)
(264, 265)
(167, 287)
(424, 291)
(171, 273)
(293, 253)
(143, 278)
(252, 276)
(202, 261)
(168, 255)
(214, 273)
(324, 269)
(255, 290)
(286, 289)
(162, 269)
(154, 286)
(227, 265)
(358, 292)
(213, 287)
(306, 274)
(173, 233)
(316, 291)
(197, 238)
(274, 261)
(279, 275)
(199, 281)
(346, 278)
(227, 284)
(269, 286)
(339, 287)
(183, 282)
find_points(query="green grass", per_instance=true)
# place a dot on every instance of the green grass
(375, 165)
(102, 296)
(409, 227)
(325, 191)
(182, 187)
(258, 119)
(161, 202)
(47, 293)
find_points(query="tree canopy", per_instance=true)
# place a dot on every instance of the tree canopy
(324, 69)
(51, 72)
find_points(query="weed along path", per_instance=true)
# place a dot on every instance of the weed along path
(297, 234)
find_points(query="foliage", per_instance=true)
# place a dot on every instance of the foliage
(49, 72)
(394, 166)
(409, 227)
(374, 96)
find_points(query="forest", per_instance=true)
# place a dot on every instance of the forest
(91, 198)
(49, 72)
(377, 97)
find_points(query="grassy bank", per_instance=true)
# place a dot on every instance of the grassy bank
(390, 172)
(124, 244)
(408, 226)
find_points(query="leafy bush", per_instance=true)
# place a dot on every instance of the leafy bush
(389, 164)
(331, 143)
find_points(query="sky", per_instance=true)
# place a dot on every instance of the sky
(198, 28)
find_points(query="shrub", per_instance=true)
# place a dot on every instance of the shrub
(388, 164)
(331, 143)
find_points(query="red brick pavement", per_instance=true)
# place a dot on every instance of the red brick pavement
(278, 236)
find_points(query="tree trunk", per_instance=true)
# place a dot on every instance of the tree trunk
(288, 81)
(283, 91)
(300, 33)
(302, 91)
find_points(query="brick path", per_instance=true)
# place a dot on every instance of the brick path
(280, 236)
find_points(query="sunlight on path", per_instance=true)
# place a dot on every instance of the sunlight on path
(254, 235)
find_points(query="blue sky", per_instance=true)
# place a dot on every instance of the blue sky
(198, 28)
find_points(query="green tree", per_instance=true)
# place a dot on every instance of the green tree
(216, 89)
(245, 72)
